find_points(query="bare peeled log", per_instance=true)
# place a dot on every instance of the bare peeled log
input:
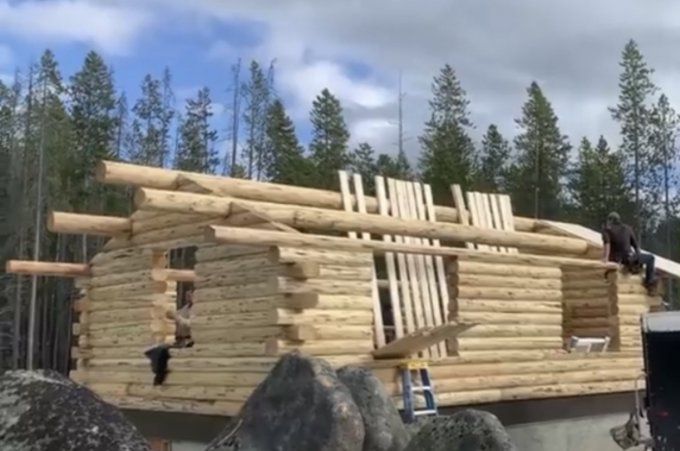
(341, 221)
(75, 223)
(130, 174)
(244, 236)
(35, 268)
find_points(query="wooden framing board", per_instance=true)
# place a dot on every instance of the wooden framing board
(506, 216)
(378, 329)
(463, 213)
(439, 261)
(393, 281)
(497, 222)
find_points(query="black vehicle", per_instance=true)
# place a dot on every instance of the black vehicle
(661, 403)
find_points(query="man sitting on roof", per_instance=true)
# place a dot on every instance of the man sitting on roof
(621, 246)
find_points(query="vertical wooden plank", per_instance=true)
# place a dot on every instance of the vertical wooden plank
(421, 264)
(474, 215)
(429, 266)
(439, 261)
(383, 210)
(404, 284)
(508, 218)
(412, 265)
(485, 214)
(375, 294)
(463, 213)
(496, 217)
(346, 197)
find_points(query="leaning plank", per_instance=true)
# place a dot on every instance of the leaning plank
(419, 340)
(464, 215)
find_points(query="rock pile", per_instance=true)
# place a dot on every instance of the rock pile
(44, 411)
(303, 405)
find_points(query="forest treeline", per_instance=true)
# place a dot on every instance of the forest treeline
(53, 130)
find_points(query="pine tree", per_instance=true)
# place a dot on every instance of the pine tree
(363, 163)
(664, 128)
(632, 112)
(329, 140)
(256, 93)
(492, 173)
(597, 185)
(196, 147)
(94, 125)
(542, 154)
(149, 143)
(287, 163)
(447, 155)
(396, 168)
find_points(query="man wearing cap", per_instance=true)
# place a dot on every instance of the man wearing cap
(621, 246)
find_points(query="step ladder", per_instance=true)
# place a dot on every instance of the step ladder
(421, 371)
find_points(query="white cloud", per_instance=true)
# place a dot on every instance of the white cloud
(496, 47)
(110, 27)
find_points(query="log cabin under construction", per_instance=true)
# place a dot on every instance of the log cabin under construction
(490, 299)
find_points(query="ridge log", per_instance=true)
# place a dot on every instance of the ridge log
(36, 268)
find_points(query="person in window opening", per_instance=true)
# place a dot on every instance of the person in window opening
(621, 246)
(183, 322)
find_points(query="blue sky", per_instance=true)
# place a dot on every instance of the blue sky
(357, 48)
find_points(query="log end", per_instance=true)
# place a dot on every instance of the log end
(140, 198)
(100, 171)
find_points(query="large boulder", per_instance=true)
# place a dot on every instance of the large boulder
(385, 430)
(300, 406)
(467, 430)
(44, 411)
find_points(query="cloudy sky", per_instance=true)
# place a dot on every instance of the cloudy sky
(357, 48)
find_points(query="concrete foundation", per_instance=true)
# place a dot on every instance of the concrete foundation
(565, 424)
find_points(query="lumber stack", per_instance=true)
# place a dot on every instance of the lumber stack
(515, 307)
(589, 304)
(631, 300)
(123, 310)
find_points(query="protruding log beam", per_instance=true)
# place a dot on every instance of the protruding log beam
(35, 268)
(244, 236)
(76, 223)
(330, 220)
(130, 174)
(178, 275)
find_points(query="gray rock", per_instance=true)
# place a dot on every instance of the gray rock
(385, 431)
(300, 406)
(44, 411)
(467, 430)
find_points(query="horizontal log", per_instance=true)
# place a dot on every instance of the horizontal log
(235, 235)
(76, 223)
(129, 174)
(225, 378)
(254, 304)
(38, 268)
(588, 293)
(276, 346)
(535, 392)
(510, 318)
(227, 252)
(502, 343)
(500, 306)
(190, 393)
(329, 332)
(477, 280)
(221, 408)
(589, 303)
(322, 256)
(462, 265)
(330, 220)
(284, 317)
(177, 275)
(640, 299)
(512, 330)
(484, 382)
(165, 220)
(528, 293)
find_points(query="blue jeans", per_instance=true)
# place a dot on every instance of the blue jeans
(648, 261)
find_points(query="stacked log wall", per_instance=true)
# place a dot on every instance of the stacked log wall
(589, 304)
(252, 305)
(515, 307)
(123, 312)
(631, 300)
